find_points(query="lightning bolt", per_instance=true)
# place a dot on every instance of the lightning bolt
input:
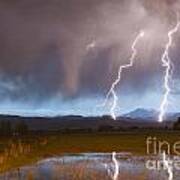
(166, 62)
(167, 166)
(112, 92)
(91, 45)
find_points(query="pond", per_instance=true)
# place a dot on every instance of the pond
(93, 166)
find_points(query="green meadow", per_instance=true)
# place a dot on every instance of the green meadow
(20, 151)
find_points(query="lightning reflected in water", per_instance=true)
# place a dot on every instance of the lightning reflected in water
(113, 171)
(116, 166)
(167, 166)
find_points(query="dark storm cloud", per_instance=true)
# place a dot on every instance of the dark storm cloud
(43, 45)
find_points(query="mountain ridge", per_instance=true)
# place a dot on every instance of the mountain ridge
(150, 114)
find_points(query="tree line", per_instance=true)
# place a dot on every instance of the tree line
(7, 129)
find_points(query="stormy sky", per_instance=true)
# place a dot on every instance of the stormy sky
(61, 56)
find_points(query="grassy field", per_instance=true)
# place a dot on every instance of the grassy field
(15, 152)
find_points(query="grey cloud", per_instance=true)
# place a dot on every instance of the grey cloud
(45, 43)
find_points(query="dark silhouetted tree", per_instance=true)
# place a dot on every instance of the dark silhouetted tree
(21, 128)
(177, 124)
(5, 128)
(105, 128)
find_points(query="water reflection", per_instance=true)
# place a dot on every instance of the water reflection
(91, 166)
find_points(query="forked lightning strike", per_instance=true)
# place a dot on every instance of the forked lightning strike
(115, 97)
(121, 68)
(166, 62)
